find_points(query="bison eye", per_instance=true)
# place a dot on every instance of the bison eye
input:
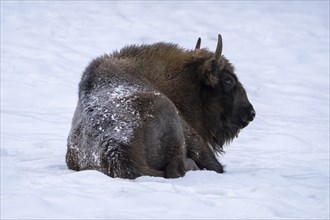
(228, 83)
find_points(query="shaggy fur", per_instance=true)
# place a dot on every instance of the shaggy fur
(156, 110)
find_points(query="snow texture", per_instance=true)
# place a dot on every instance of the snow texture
(278, 167)
(106, 116)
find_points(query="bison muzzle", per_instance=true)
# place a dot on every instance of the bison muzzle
(156, 110)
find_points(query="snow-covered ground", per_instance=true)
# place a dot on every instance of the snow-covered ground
(278, 168)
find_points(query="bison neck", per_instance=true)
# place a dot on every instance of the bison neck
(182, 88)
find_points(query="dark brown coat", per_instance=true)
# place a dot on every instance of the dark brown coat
(156, 110)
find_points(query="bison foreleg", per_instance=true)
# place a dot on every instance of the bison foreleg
(175, 168)
(206, 160)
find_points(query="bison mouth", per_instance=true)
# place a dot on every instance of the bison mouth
(246, 118)
(243, 124)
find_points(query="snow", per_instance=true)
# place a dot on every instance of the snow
(278, 167)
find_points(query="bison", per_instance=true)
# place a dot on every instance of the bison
(157, 110)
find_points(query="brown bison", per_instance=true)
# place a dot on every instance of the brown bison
(156, 110)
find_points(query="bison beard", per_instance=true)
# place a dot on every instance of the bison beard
(156, 110)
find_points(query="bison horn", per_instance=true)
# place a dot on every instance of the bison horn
(218, 51)
(198, 44)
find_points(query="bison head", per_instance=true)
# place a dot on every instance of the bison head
(226, 108)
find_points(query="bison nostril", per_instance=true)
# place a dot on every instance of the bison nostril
(252, 114)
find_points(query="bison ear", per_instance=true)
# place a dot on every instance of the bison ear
(210, 75)
(211, 67)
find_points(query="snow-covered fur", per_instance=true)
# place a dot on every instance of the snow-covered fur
(156, 110)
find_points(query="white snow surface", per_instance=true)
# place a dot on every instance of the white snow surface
(278, 167)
